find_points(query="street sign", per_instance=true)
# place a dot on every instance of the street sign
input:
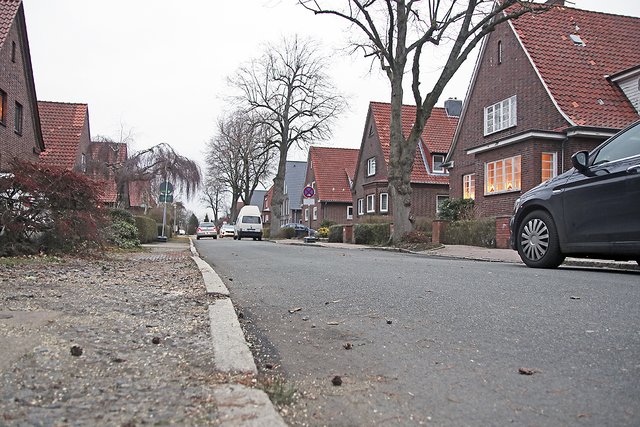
(309, 202)
(308, 192)
(166, 188)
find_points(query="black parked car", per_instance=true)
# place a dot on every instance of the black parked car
(301, 229)
(592, 210)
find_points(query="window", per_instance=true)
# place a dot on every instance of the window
(549, 166)
(350, 212)
(438, 160)
(306, 214)
(439, 201)
(13, 51)
(83, 163)
(18, 119)
(313, 185)
(500, 52)
(266, 218)
(371, 203)
(499, 116)
(3, 106)
(360, 206)
(285, 188)
(315, 212)
(623, 146)
(384, 202)
(371, 130)
(371, 166)
(469, 186)
(502, 176)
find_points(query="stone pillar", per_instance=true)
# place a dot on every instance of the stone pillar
(502, 232)
(438, 227)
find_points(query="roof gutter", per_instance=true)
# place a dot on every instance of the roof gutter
(516, 139)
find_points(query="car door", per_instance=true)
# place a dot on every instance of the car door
(602, 205)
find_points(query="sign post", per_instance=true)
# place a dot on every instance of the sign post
(308, 192)
(166, 195)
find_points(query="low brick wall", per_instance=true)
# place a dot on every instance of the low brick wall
(437, 230)
(502, 232)
(347, 233)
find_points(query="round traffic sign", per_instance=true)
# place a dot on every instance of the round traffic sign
(308, 192)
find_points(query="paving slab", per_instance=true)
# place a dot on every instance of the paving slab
(230, 350)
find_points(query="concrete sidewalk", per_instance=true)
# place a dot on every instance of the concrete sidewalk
(475, 253)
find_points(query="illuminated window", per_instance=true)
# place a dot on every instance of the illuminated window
(549, 166)
(469, 186)
(502, 176)
(371, 166)
(3, 106)
(371, 203)
(501, 115)
(384, 202)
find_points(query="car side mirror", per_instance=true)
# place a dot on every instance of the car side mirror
(580, 161)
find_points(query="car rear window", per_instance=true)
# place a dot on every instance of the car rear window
(251, 220)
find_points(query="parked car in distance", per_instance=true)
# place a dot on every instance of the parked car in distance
(592, 210)
(227, 230)
(206, 229)
(301, 229)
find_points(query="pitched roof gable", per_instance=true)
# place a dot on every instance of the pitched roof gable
(436, 137)
(576, 75)
(334, 170)
(62, 126)
(8, 12)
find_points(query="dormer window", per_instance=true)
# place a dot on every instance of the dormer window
(371, 166)
(438, 160)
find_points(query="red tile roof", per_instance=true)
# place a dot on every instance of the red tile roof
(62, 126)
(576, 75)
(8, 10)
(436, 137)
(334, 170)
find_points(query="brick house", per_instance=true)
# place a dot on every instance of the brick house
(266, 208)
(545, 86)
(20, 134)
(330, 173)
(429, 180)
(294, 181)
(65, 129)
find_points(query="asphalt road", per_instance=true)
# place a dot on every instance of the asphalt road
(437, 341)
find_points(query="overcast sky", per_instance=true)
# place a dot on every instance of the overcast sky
(159, 67)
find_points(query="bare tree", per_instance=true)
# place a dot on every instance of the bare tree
(238, 157)
(395, 34)
(288, 92)
(213, 193)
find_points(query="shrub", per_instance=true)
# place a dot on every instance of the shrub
(287, 233)
(323, 232)
(326, 223)
(481, 232)
(335, 234)
(424, 224)
(122, 232)
(417, 236)
(266, 233)
(167, 230)
(456, 209)
(192, 225)
(372, 234)
(48, 209)
(147, 230)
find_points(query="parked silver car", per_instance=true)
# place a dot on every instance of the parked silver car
(206, 229)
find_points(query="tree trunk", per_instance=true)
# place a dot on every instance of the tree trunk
(278, 192)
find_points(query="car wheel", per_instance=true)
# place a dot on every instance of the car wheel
(215, 237)
(197, 237)
(260, 239)
(537, 241)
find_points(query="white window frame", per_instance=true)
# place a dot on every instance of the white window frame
(433, 164)
(500, 170)
(438, 197)
(350, 212)
(306, 214)
(384, 202)
(501, 115)
(469, 186)
(360, 206)
(315, 213)
(371, 166)
(554, 166)
(371, 203)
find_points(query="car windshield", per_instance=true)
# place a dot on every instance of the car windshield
(623, 146)
(251, 219)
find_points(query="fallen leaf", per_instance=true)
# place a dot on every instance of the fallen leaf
(527, 371)
(333, 323)
(76, 350)
(347, 346)
(293, 310)
(336, 381)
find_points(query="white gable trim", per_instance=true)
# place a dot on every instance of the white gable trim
(515, 139)
(535, 68)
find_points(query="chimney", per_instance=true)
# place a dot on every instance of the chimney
(453, 107)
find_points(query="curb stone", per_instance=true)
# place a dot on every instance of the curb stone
(237, 405)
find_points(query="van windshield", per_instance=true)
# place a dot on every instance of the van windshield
(251, 220)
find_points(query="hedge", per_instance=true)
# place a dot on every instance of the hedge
(481, 232)
(147, 230)
(372, 234)
(335, 233)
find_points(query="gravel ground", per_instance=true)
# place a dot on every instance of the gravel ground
(141, 325)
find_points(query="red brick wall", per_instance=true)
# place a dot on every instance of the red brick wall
(502, 232)
(13, 82)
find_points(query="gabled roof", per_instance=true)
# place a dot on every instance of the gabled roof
(334, 170)
(436, 137)
(576, 75)
(62, 126)
(294, 177)
(8, 12)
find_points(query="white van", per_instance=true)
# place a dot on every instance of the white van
(249, 223)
